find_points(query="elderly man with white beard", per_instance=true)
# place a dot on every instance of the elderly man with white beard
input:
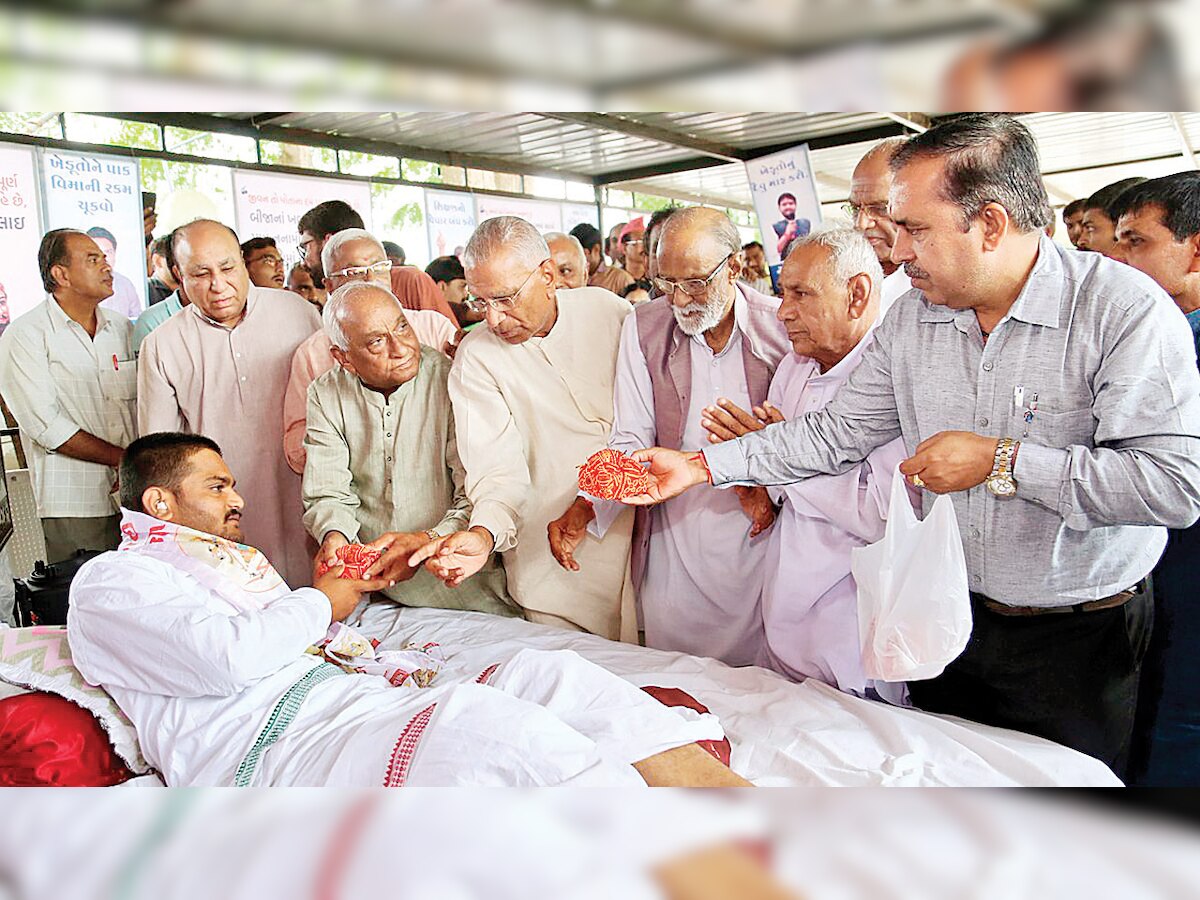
(697, 565)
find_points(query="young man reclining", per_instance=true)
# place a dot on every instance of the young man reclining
(214, 659)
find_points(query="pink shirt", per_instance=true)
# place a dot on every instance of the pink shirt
(313, 359)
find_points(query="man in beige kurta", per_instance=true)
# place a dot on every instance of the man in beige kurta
(532, 399)
(220, 368)
(383, 464)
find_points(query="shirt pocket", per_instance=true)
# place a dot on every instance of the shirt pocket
(1062, 429)
(119, 382)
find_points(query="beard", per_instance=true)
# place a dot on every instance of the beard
(697, 318)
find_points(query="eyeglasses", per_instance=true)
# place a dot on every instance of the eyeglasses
(302, 247)
(269, 258)
(695, 287)
(501, 304)
(873, 210)
(383, 265)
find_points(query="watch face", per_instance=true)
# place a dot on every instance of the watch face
(1002, 486)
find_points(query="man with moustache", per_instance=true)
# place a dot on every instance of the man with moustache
(1017, 378)
(263, 262)
(697, 564)
(68, 374)
(868, 211)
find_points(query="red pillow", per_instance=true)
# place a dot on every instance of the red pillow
(46, 740)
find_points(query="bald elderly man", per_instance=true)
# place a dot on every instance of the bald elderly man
(219, 367)
(697, 565)
(533, 399)
(868, 211)
(570, 262)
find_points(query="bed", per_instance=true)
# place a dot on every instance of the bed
(782, 733)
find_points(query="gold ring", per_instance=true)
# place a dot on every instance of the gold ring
(917, 482)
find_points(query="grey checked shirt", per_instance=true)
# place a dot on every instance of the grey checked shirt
(1105, 363)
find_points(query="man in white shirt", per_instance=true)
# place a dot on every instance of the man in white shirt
(68, 374)
(697, 565)
(225, 672)
(868, 211)
(533, 399)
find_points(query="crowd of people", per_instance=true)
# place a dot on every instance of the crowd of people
(440, 416)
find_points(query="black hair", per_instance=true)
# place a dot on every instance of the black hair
(1178, 195)
(1104, 198)
(99, 231)
(329, 218)
(990, 158)
(257, 243)
(445, 269)
(657, 218)
(587, 234)
(158, 460)
(162, 247)
(391, 248)
(53, 252)
(1075, 206)
(785, 196)
(751, 245)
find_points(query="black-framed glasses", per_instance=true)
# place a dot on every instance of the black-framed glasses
(693, 287)
(501, 304)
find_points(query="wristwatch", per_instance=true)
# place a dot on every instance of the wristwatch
(1001, 482)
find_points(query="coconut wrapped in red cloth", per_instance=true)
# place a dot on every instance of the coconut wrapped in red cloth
(356, 558)
(611, 475)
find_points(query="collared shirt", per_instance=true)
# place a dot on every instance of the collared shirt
(379, 464)
(1093, 369)
(58, 380)
(153, 317)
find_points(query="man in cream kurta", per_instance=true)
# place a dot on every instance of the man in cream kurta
(532, 401)
(220, 368)
(383, 463)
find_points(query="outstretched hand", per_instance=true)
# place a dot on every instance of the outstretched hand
(673, 471)
(456, 557)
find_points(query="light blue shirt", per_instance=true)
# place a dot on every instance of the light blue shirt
(153, 317)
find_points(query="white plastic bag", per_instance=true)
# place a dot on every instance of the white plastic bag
(914, 607)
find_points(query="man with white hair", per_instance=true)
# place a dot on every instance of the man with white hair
(697, 565)
(832, 302)
(220, 367)
(383, 463)
(570, 262)
(352, 254)
(533, 397)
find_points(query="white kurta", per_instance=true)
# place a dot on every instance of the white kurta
(204, 678)
(700, 593)
(229, 385)
(527, 416)
(810, 600)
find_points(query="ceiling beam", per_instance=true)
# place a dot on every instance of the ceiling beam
(1185, 142)
(631, 127)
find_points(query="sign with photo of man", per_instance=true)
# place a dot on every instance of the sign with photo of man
(785, 201)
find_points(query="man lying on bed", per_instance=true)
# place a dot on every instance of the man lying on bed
(210, 655)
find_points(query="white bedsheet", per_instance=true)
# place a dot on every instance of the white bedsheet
(782, 733)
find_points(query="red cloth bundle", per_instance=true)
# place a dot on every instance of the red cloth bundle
(611, 475)
(720, 750)
(46, 740)
(356, 558)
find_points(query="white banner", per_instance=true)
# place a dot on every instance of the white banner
(270, 205)
(20, 234)
(101, 194)
(450, 217)
(541, 214)
(577, 213)
(785, 200)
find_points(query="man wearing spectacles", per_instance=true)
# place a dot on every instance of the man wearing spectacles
(263, 262)
(533, 397)
(868, 213)
(697, 567)
(350, 255)
(316, 227)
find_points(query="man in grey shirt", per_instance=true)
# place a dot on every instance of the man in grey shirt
(1053, 394)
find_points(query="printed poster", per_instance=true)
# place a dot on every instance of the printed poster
(101, 195)
(785, 201)
(20, 234)
(542, 215)
(270, 205)
(450, 217)
(577, 213)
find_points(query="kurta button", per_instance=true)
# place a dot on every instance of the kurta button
(983, 423)
(243, 378)
(987, 367)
